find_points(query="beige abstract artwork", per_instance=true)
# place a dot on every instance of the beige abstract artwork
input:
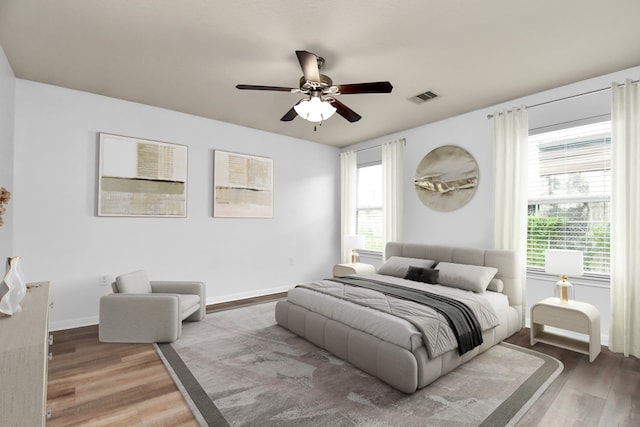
(142, 178)
(243, 185)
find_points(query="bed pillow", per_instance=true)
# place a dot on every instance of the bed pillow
(425, 275)
(398, 266)
(495, 285)
(473, 278)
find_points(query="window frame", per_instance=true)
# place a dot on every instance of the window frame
(364, 251)
(593, 279)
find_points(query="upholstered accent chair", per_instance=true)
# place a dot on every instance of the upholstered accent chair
(144, 311)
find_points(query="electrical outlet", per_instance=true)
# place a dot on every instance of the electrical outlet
(292, 261)
(103, 280)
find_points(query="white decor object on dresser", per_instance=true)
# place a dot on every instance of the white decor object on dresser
(574, 316)
(12, 288)
(23, 360)
(341, 270)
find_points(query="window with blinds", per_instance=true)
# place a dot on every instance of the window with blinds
(569, 189)
(369, 206)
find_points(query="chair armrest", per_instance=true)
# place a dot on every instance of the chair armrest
(176, 287)
(140, 318)
(184, 287)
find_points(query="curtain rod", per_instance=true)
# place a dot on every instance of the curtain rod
(368, 148)
(490, 116)
(362, 149)
(404, 142)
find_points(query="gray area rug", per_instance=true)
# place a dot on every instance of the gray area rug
(238, 368)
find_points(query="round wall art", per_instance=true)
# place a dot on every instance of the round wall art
(446, 178)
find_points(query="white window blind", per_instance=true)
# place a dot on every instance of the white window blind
(569, 191)
(369, 217)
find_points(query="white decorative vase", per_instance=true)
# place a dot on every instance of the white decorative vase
(13, 288)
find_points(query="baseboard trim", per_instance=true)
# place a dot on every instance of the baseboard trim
(245, 302)
(73, 323)
(246, 295)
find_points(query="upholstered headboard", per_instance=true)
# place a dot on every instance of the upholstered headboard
(505, 261)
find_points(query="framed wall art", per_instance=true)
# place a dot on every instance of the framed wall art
(138, 177)
(446, 178)
(242, 185)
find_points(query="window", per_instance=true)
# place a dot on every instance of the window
(369, 206)
(569, 190)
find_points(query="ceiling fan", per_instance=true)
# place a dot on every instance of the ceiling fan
(321, 102)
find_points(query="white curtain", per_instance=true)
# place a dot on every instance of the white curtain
(624, 334)
(348, 182)
(510, 186)
(392, 184)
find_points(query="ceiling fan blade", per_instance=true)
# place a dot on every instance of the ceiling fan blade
(345, 111)
(309, 64)
(291, 114)
(258, 87)
(373, 87)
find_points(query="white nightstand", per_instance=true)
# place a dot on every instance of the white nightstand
(575, 316)
(341, 270)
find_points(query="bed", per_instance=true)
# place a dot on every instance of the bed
(391, 336)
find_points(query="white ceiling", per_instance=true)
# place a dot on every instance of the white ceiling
(188, 55)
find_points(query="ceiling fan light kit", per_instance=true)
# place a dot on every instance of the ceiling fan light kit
(321, 103)
(314, 109)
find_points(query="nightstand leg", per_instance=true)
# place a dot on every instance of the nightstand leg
(536, 330)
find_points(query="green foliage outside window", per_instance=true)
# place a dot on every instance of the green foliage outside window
(369, 225)
(592, 238)
(542, 233)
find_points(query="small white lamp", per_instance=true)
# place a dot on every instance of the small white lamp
(565, 263)
(354, 242)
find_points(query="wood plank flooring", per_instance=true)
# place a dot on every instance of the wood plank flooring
(105, 384)
(604, 393)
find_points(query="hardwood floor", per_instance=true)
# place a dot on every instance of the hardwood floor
(603, 393)
(103, 384)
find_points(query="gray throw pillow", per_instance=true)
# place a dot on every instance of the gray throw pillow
(398, 266)
(473, 278)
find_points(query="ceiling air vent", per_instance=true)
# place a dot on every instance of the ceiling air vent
(425, 96)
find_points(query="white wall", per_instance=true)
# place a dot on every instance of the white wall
(472, 225)
(7, 100)
(63, 241)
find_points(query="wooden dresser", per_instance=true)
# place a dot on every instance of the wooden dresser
(23, 360)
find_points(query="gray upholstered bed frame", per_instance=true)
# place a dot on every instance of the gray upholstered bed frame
(405, 370)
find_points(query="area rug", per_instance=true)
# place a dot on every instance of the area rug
(238, 368)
